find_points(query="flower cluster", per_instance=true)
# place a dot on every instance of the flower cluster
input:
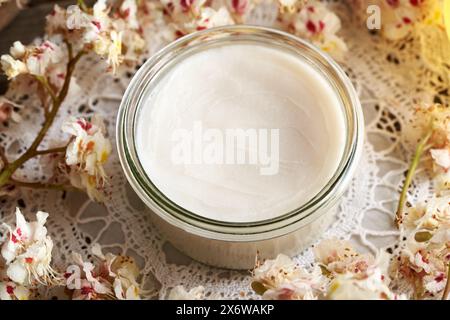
(86, 154)
(112, 34)
(10, 290)
(339, 273)
(354, 287)
(283, 279)
(26, 252)
(27, 255)
(45, 61)
(115, 277)
(112, 31)
(190, 16)
(318, 24)
(339, 257)
(401, 17)
(423, 257)
(180, 293)
(434, 121)
(313, 21)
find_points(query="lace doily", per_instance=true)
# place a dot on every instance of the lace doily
(122, 224)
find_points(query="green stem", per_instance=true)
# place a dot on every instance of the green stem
(447, 285)
(412, 169)
(31, 152)
(47, 87)
(82, 5)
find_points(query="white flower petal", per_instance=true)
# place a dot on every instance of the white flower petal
(4, 295)
(17, 50)
(441, 157)
(12, 67)
(97, 251)
(17, 272)
(180, 293)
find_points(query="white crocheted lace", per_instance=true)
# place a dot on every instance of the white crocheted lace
(390, 79)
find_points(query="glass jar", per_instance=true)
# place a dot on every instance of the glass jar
(228, 244)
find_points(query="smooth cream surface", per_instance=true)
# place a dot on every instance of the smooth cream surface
(243, 86)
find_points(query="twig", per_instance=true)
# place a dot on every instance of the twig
(3, 157)
(31, 152)
(53, 150)
(69, 49)
(412, 169)
(46, 109)
(43, 185)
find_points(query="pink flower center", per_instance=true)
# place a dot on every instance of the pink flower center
(10, 289)
(407, 20)
(47, 45)
(126, 13)
(179, 33)
(85, 125)
(439, 278)
(311, 26)
(285, 294)
(239, 6)
(86, 290)
(321, 25)
(393, 3)
(186, 4)
(97, 25)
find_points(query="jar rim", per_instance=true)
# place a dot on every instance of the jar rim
(238, 231)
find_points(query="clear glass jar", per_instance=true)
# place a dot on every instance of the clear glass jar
(227, 244)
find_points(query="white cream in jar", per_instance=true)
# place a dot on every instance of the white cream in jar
(242, 86)
(250, 79)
